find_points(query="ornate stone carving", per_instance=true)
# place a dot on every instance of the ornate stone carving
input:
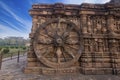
(116, 26)
(75, 39)
(59, 43)
(97, 25)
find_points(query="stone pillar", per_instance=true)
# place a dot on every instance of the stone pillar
(111, 42)
(34, 22)
(110, 23)
(84, 23)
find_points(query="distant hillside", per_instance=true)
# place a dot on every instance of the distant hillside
(13, 41)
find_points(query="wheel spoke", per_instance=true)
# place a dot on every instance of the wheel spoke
(62, 49)
(72, 47)
(47, 51)
(54, 51)
(39, 42)
(71, 54)
(56, 30)
(44, 35)
(72, 43)
(43, 48)
(58, 53)
(46, 31)
(68, 30)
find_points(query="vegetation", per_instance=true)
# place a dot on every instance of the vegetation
(6, 50)
(13, 41)
(0, 48)
(12, 51)
(12, 45)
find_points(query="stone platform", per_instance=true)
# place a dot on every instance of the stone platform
(11, 70)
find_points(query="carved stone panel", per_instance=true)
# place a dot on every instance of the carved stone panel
(57, 43)
(67, 38)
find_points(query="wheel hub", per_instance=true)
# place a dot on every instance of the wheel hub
(59, 42)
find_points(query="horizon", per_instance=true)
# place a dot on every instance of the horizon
(15, 20)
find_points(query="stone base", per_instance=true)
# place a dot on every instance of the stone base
(96, 71)
(51, 71)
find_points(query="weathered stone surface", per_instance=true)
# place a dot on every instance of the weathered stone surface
(75, 38)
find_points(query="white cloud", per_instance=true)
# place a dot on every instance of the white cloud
(6, 31)
(10, 24)
(85, 1)
(24, 23)
(10, 31)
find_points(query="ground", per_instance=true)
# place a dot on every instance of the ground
(11, 70)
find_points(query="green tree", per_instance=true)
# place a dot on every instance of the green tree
(24, 48)
(6, 50)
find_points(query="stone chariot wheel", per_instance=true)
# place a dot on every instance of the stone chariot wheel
(57, 43)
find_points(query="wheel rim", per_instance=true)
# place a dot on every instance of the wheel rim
(57, 43)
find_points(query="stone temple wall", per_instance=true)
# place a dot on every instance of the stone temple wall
(99, 25)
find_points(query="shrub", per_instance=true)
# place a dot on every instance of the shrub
(0, 48)
(6, 47)
(6, 50)
(24, 48)
(16, 47)
(12, 47)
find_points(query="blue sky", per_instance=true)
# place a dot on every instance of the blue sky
(15, 19)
